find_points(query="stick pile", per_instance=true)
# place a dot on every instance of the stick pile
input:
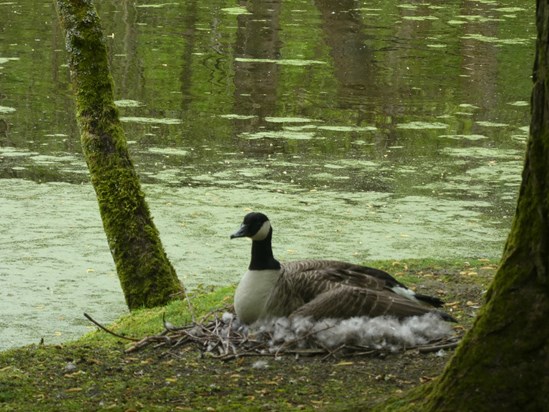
(224, 338)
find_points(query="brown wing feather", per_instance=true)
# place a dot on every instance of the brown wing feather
(303, 281)
(321, 288)
(348, 301)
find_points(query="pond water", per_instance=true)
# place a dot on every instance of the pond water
(365, 130)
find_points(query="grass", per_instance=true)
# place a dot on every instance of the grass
(93, 373)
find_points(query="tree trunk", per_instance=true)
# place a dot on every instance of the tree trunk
(146, 275)
(503, 362)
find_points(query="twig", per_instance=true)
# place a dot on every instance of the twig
(191, 309)
(331, 353)
(109, 331)
(303, 337)
(436, 348)
(227, 342)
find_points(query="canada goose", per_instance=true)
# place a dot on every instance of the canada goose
(318, 288)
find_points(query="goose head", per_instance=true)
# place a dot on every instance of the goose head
(256, 226)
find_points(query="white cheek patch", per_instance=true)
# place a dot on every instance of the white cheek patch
(263, 232)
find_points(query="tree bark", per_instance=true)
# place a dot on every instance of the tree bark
(502, 364)
(146, 275)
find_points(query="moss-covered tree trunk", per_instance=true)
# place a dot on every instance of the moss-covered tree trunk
(146, 275)
(503, 362)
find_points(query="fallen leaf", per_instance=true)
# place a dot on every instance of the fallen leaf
(344, 363)
(72, 375)
(424, 379)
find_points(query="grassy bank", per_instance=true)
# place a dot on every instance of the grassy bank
(94, 373)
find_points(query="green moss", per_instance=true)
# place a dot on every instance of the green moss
(148, 321)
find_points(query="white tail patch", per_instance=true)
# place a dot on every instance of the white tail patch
(407, 293)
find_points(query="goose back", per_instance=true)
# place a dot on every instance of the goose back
(326, 274)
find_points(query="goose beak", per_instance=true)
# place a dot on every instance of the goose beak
(241, 232)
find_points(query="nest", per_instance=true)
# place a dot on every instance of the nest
(219, 335)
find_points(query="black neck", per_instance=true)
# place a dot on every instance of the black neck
(262, 254)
